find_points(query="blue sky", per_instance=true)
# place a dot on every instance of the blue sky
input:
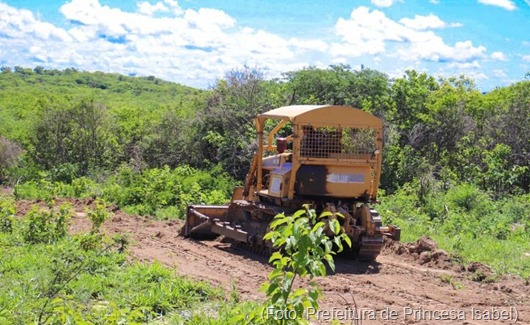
(195, 42)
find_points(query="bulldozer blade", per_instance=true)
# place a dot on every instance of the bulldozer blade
(199, 220)
(228, 231)
(391, 232)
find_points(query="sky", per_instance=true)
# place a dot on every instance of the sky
(196, 42)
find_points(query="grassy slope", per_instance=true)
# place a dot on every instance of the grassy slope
(22, 95)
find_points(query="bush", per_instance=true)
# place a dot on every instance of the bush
(46, 226)
(156, 191)
(7, 213)
(9, 155)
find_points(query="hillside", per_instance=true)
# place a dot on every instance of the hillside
(25, 92)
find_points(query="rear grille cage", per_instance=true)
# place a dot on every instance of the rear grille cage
(337, 142)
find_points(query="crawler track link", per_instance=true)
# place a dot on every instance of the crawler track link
(371, 245)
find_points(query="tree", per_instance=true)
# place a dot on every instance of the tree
(9, 155)
(225, 126)
(409, 95)
(73, 139)
(338, 85)
(508, 124)
(170, 141)
(303, 250)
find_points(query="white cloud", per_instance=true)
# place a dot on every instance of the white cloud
(174, 7)
(499, 74)
(402, 71)
(148, 9)
(18, 24)
(340, 60)
(384, 3)
(368, 32)
(309, 45)
(426, 22)
(499, 56)
(506, 4)
(477, 75)
(526, 58)
(191, 46)
(465, 65)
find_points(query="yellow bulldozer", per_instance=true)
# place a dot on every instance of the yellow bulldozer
(326, 156)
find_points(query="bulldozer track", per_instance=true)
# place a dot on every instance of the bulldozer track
(370, 248)
(371, 245)
(256, 249)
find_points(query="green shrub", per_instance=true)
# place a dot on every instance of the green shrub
(46, 226)
(161, 192)
(153, 191)
(7, 213)
(97, 216)
(469, 198)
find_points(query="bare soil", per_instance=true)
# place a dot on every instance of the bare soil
(413, 283)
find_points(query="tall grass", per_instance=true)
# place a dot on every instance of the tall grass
(466, 222)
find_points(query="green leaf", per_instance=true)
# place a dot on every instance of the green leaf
(338, 242)
(340, 215)
(331, 262)
(318, 226)
(275, 256)
(328, 245)
(271, 234)
(299, 292)
(288, 230)
(276, 273)
(334, 226)
(272, 288)
(277, 222)
(299, 213)
(325, 214)
(237, 319)
(346, 239)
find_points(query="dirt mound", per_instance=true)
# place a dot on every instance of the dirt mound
(423, 251)
(424, 244)
(480, 272)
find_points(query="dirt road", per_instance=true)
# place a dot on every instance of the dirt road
(408, 284)
(399, 288)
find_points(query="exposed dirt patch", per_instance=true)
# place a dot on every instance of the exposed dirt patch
(424, 252)
(414, 283)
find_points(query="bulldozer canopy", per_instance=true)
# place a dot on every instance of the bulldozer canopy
(323, 115)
